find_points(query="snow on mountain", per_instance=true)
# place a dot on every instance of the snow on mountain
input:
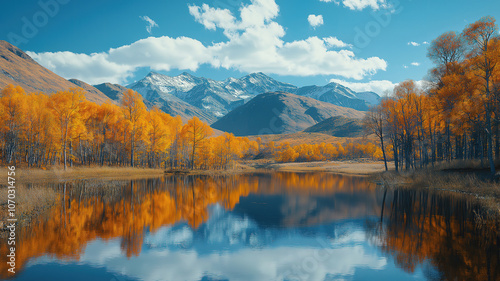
(337, 94)
(214, 99)
(370, 97)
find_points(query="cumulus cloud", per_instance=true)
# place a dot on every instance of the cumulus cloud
(151, 23)
(335, 42)
(254, 43)
(381, 87)
(94, 68)
(315, 20)
(415, 63)
(116, 65)
(361, 4)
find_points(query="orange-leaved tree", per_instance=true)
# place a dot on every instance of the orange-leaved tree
(66, 105)
(195, 132)
(134, 111)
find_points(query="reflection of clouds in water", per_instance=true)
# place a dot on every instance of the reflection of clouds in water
(221, 226)
(180, 236)
(247, 264)
(340, 259)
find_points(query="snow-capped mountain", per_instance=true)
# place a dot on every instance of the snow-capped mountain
(340, 95)
(210, 99)
(215, 97)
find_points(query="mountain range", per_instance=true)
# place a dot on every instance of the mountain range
(217, 98)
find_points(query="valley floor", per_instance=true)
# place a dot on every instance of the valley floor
(359, 167)
(54, 174)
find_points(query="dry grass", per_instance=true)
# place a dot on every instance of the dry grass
(465, 178)
(360, 167)
(311, 138)
(57, 174)
(30, 202)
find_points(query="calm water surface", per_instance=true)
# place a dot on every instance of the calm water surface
(276, 226)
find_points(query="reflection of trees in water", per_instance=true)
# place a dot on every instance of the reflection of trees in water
(88, 210)
(423, 227)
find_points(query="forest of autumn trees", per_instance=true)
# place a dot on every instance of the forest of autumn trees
(64, 128)
(457, 114)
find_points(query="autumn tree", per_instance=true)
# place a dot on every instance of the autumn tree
(134, 111)
(14, 110)
(66, 105)
(195, 132)
(480, 36)
(374, 122)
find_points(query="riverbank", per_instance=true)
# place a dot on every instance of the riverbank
(467, 179)
(358, 167)
(58, 174)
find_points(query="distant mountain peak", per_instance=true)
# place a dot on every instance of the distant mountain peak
(258, 74)
(185, 74)
(152, 73)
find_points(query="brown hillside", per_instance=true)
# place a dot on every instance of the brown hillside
(91, 90)
(19, 69)
(338, 126)
(112, 91)
(280, 113)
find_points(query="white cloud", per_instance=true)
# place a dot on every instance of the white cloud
(254, 43)
(94, 68)
(361, 4)
(335, 42)
(405, 66)
(162, 53)
(151, 23)
(415, 63)
(116, 65)
(416, 44)
(381, 87)
(378, 86)
(315, 20)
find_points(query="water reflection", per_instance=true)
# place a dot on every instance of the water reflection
(279, 226)
(445, 230)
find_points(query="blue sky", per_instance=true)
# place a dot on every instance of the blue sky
(364, 44)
